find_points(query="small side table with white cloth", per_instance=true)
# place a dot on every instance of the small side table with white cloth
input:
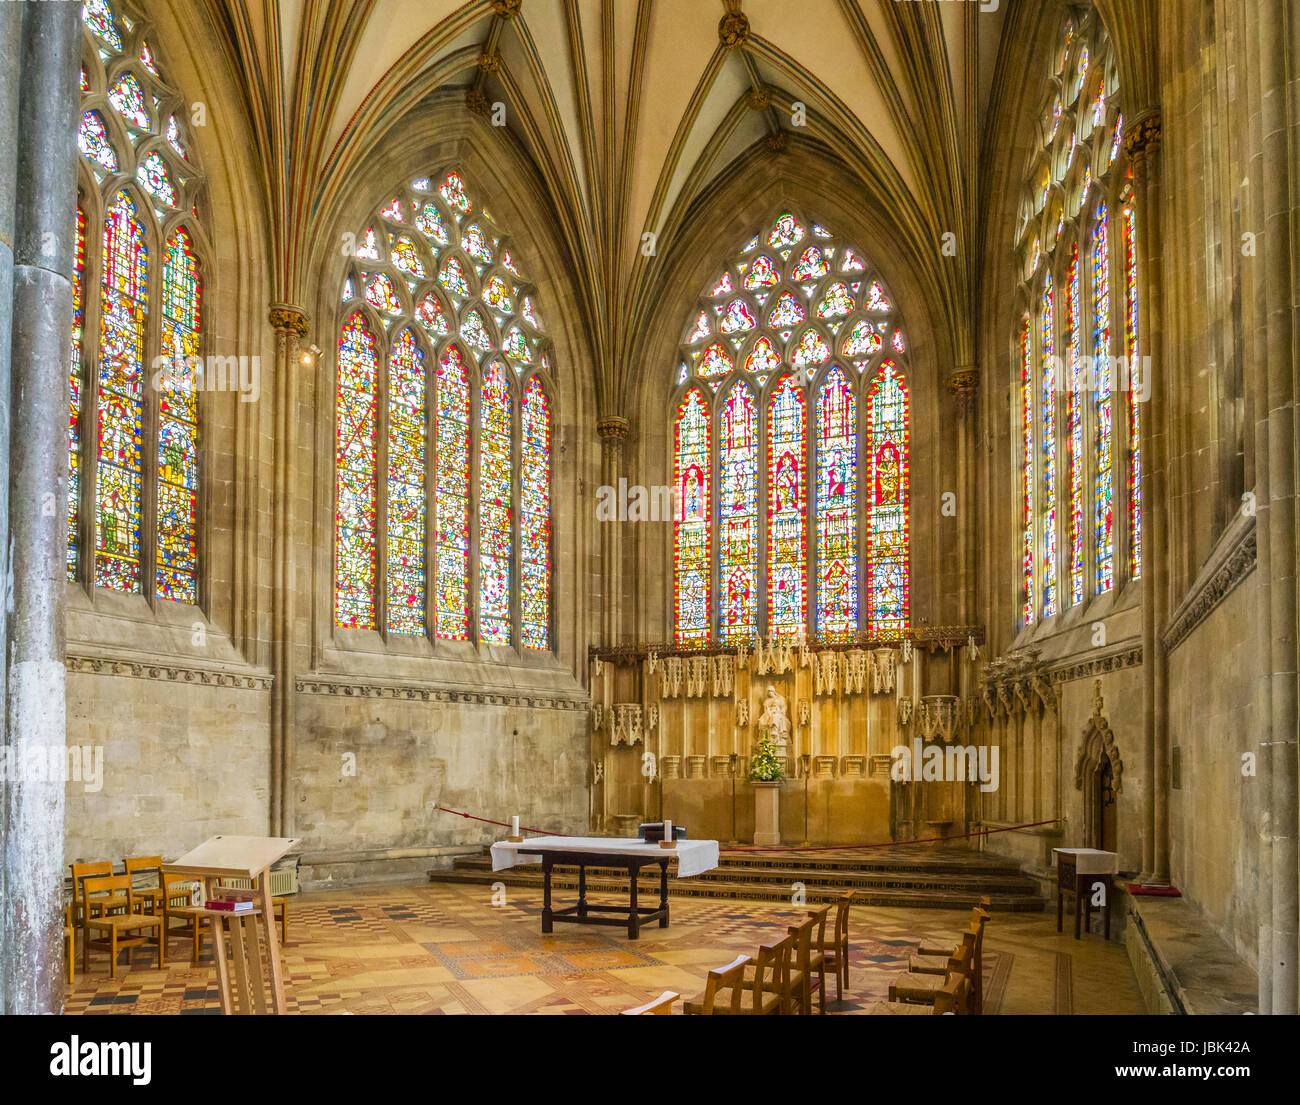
(1078, 872)
(693, 857)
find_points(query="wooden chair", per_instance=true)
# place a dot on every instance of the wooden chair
(771, 978)
(952, 998)
(81, 872)
(729, 981)
(927, 959)
(804, 976)
(835, 951)
(120, 925)
(923, 988)
(660, 1007)
(177, 904)
(817, 957)
(69, 947)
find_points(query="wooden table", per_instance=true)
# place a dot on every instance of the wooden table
(1078, 872)
(693, 857)
(241, 962)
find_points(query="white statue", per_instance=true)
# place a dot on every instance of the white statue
(775, 719)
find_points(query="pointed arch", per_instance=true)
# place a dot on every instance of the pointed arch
(451, 491)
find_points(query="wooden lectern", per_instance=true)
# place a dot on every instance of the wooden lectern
(241, 857)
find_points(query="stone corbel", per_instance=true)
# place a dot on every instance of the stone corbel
(742, 657)
(724, 675)
(1043, 689)
(805, 655)
(651, 663)
(1004, 699)
(697, 676)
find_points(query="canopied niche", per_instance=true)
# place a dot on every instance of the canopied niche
(1099, 773)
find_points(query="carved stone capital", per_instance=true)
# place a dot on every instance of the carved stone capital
(613, 426)
(286, 318)
(1142, 139)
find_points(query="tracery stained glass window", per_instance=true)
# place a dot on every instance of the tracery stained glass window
(131, 548)
(1136, 385)
(355, 469)
(1047, 410)
(738, 514)
(788, 419)
(406, 476)
(1103, 476)
(1067, 180)
(787, 544)
(495, 506)
(835, 508)
(451, 306)
(1074, 429)
(691, 526)
(887, 562)
(178, 423)
(535, 517)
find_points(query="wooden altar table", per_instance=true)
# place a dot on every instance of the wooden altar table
(693, 858)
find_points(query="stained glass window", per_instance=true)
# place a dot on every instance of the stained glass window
(1074, 459)
(535, 517)
(451, 489)
(142, 502)
(1047, 412)
(738, 514)
(495, 511)
(887, 565)
(691, 528)
(1103, 476)
(787, 546)
(121, 398)
(406, 481)
(355, 468)
(480, 573)
(178, 423)
(787, 453)
(1135, 388)
(835, 508)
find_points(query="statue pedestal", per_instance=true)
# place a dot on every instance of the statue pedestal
(767, 813)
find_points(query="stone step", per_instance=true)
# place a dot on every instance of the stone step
(1010, 882)
(754, 891)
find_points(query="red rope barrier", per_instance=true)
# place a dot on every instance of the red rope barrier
(808, 848)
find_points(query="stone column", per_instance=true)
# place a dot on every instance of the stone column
(1276, 494)
(290, 325)
(613, 431)
(45, 203)
(1141, 144)
(963, 386)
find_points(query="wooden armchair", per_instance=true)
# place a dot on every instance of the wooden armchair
(835, 951)
(661, 1006)
(923, 988)
(119, 926)
(930, 958)
(951, 998)
(771, 978)
(727, 981)
(805, 977)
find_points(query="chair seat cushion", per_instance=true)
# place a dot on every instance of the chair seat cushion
(927, 965)
(939, 945)
(126, 921)
(722, 1003)
(899, 1009)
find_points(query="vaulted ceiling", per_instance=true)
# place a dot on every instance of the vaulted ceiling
(630, 110)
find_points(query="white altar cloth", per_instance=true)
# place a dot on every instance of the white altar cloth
(694, 857)
(1092, 861)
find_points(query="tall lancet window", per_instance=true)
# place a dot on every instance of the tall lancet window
(1078, 538)
(791, 372)
(136, 375)
(444, 426)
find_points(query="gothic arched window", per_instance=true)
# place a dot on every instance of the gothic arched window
(790, 372)
(1078, 377)
(133, 485)
(455, 543)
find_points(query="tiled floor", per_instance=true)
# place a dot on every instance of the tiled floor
(445, 948)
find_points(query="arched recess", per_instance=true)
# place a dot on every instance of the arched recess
(437, 136)
(1099, 774)
(758, 186)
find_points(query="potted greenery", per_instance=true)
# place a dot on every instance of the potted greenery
(766, 770)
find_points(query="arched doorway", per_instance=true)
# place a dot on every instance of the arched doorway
(1099, 774)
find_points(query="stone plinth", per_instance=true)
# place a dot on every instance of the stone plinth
(767, 813)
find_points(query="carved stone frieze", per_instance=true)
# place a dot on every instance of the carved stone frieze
(627, 724)
(174, 673)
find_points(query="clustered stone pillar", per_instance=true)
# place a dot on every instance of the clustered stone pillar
(613, 432)
(290, 325)
(40, 52)
(963, 386)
